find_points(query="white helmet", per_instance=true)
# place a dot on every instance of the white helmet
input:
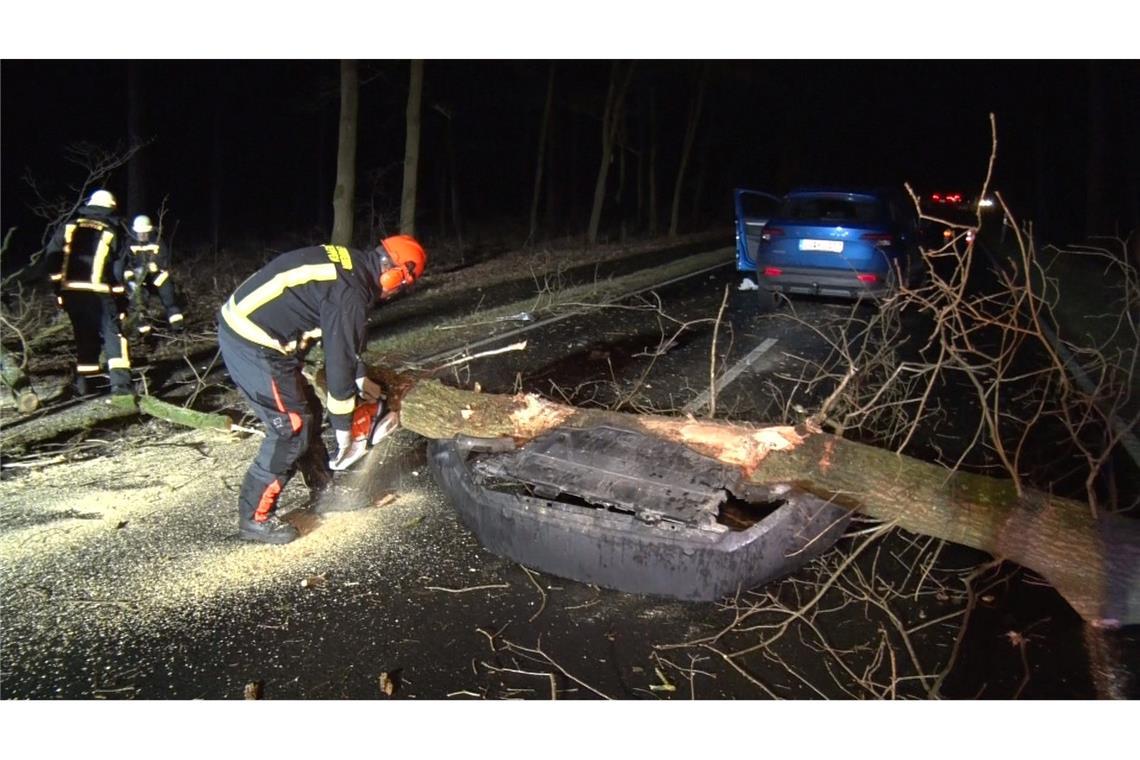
(142, 224)
(102, 198)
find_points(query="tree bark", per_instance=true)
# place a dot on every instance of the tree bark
(453, 163)
(344, 195)
(611, 119)
(412, 149)
(541, 160)
(1093, 563)
(1095, 165)
(652, 178)
(101, 412)
(136, 169)
(217, 161)
(687, 148)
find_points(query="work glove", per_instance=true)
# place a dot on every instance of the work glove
(350, 449)
(369, 390)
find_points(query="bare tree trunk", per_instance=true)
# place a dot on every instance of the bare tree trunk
(538, 164)
(1095, 195)
(344, 195)
(136, 169)
(412, 149)
(618, 195)
(1093, 562)
(99, 412)
(690, 136)
(611, 119)
(217, 163)
(555, 183)
(642, 164)
(653, 222)
(698, 191)
(453, 163)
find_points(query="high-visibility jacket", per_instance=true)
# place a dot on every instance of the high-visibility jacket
(85, 252)
(321, 292)
(150, 259)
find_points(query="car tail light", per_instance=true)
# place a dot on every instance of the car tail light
(936, 197)
(870, 279)
(769, 233)
(881, 239)
(773, 271)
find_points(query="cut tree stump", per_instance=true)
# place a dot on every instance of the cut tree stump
(1094, 563)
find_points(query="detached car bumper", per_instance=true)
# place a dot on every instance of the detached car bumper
(629, 512)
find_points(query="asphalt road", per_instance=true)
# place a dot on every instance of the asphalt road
(417, 608)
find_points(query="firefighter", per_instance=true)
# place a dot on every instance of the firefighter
(264, 329)
(147, 267)
(83, 256)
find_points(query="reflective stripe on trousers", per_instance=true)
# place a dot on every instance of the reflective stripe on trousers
(284, 401)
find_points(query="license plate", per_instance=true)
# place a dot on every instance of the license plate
(832, 246)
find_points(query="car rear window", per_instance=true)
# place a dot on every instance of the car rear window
(816, 208)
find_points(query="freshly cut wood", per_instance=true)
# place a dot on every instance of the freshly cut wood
(1094, 563)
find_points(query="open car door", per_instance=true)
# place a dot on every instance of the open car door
(753, 210)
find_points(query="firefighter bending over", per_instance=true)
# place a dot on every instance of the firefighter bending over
(147, 267)
(83, 256)
(320, 292)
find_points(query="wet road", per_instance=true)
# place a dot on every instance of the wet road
(408, 600)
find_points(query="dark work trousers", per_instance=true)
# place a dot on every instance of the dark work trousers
(273, 385)
(95, 321)
(165, 293)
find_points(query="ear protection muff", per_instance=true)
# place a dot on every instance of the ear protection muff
(397, 277)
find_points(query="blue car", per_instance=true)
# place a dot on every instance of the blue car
(833, 242)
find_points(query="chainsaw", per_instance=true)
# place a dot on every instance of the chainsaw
(371, 423)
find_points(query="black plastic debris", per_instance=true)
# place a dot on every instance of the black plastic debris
(631, 512)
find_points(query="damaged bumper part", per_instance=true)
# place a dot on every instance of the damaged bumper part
(631, 512)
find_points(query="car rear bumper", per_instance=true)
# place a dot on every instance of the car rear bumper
(620, 551)
(842, 283)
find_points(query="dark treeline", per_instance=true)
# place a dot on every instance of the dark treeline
(245, 152)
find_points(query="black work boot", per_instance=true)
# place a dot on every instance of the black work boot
(273, 530)
(121, 383)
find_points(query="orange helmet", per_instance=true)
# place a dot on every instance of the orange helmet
(408, 261)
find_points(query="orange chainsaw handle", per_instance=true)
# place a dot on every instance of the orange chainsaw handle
(362, 418)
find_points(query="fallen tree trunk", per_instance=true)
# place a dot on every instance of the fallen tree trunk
(82, 417)
(1093, 562)
(177, 414)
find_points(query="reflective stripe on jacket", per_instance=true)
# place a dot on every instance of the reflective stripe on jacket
(85, 252)
(320, 292)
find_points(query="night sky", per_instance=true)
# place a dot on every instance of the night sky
(258, 137)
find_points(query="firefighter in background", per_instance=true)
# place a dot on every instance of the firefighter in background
(321, 292)
(83, 256)
(147, 267)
